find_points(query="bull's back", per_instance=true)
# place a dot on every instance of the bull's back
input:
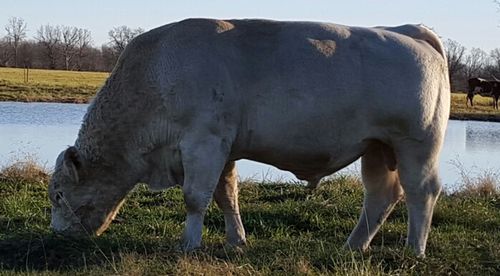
(315, 78)
(308, 83)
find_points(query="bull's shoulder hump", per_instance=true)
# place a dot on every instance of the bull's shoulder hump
(205, 25)
(262, 26)
(192, 27)
(419, 32)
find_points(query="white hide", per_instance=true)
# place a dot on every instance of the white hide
(187, 98)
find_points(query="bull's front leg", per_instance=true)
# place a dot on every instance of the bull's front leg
(226, 197)
(203, 162)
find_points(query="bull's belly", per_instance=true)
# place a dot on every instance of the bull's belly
(312, 142)
(308, 165)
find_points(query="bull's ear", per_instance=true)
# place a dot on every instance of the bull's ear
(72, 163)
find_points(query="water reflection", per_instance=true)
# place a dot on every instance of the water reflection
(480, 135)
(47, 128)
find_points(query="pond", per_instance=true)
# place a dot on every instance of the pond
(44, 129)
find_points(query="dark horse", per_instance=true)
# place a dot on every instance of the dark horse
(485, 87)
(495, 93)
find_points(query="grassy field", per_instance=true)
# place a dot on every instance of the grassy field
(49, 85)
(290, 231)
(80, 87)
(482, 110)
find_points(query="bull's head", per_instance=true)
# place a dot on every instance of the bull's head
(85, 198)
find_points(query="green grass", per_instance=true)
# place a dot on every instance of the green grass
(49, 85)
(80, 87)
(290, 231)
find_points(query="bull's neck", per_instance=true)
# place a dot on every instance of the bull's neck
(93, 132)
(101, 136)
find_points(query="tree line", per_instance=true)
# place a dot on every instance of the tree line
(72, 48)
(61, 47)
(464, 64)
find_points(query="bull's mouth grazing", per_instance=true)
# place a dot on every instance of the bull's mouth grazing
(73, 229)
(84, 223)
(71, 232)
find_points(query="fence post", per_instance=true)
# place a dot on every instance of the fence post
(26, 72)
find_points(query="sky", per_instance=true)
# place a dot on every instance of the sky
(472, 23)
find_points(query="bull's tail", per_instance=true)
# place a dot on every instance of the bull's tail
(420, 32)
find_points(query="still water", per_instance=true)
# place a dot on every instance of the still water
(44, 129)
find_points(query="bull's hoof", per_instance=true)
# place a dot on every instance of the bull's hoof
(237, 241)
(235, 249)
(356, 247)
(188, 248)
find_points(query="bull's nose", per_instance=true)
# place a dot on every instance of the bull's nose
(69, 232)
(59, 231)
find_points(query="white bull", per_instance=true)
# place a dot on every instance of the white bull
(188, 99)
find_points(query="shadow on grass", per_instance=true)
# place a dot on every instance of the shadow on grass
(40, 251)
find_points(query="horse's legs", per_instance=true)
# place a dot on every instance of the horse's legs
(470, 97)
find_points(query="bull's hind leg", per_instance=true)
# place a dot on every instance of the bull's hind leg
(203, 162)
(418, 172)
(226, 197)
(382, 192)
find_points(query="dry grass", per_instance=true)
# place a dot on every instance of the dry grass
(24, 169)
(483, 183)
(202, 264)
(53, 77)
(482, 109)
(49, 85)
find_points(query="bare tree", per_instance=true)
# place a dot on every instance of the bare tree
(83, 46)
(92, 60)
(27, 53)
(50, 37)
(455, 53)
(16, 32)
(120, 36)
(5, 52)
(494, 63)
(69, 42)
(108, 58)
(475, 63)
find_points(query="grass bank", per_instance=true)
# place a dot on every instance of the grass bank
(481, 111)
(80, 87)
(49, 85)
(290, 231)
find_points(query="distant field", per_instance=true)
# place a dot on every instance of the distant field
(49, 85)
(482, 110)
(80, 87)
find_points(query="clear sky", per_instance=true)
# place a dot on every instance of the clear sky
(473, 23)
